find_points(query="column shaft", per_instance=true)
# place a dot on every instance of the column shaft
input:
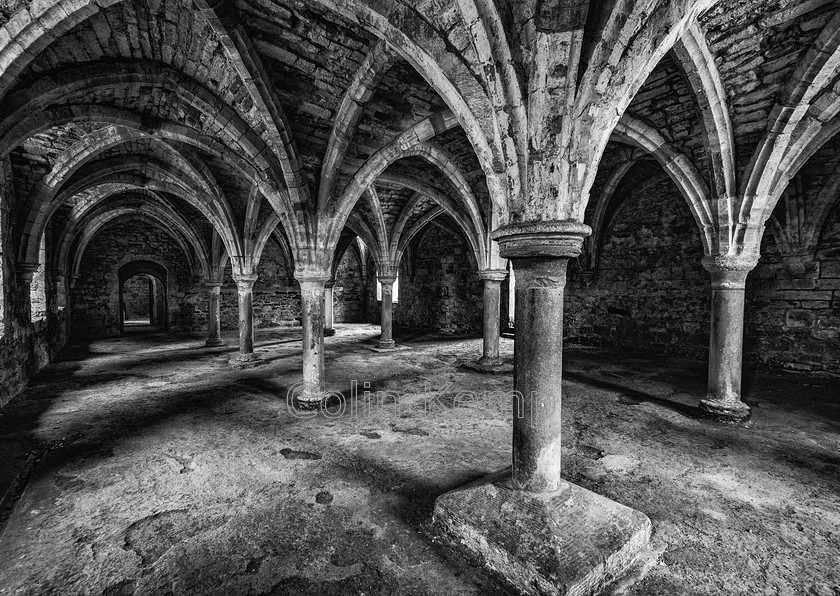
(386, 339)
(539, 253)
(312, 320)
(492, 327)
(538, 365)
(329, 306)
(726, 340)
(214, 315)
(245, 288)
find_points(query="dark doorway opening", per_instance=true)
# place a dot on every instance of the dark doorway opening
(143, 297)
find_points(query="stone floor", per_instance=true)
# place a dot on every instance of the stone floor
(146, 465)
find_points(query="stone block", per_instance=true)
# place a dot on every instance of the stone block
(830, 269)
(571, 542)
(829, 283)
(799, 318)
(802, 295)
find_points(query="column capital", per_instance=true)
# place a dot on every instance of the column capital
(309, 276)
(729, 271)
(492, 274)
(211, 284)
(245, 281)
(387, 280)
(541, 239)
(26, 271)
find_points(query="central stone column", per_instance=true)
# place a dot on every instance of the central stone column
(540, 533)
(386, 340)
(329, 308)
(726, 337)
(214, 314)
(245, 288)
(539, 256)
(313, 392)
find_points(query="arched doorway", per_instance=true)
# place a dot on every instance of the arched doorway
(144, 303)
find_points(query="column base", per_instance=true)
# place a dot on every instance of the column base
(246, 361)
(568, 542)
(311, 401)
(728, 412)
(385, 344)
(213, 342)
(490, 366)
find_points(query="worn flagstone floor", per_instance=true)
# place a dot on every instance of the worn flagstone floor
(146, 465)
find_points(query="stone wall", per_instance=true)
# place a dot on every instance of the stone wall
(94, 298)
(136, 298)
(439, 287)
(25, 346)
(351, 293)
(650, 290)
(793, 305)
(38, 288)
(276, 294)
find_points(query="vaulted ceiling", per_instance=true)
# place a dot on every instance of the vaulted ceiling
(326, 118)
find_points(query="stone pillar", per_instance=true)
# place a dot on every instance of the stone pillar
(214, 314)
(539, 254)
(544, 534)
(245, 287)
(386, 340)
(329, 306)
(492, 326)
(726, 338)
(313, 392)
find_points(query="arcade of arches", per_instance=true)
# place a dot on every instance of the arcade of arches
(264, 261)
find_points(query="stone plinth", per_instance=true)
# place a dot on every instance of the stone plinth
(568, 542)
(246, 361)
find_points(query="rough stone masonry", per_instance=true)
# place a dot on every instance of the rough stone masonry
(659, 178)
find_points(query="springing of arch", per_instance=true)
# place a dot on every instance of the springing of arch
(96, 223)
(29, 115)
(47, 196)
(349, 242)
(373, 69)
(467, 225)
(413, 143)
(805, 220)
(681, 170)
(599, 220)
(466, 100)
(698, 64)
(799, 125)
(153, 175)
(630, 45)
(246, 61)
(153, 207)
